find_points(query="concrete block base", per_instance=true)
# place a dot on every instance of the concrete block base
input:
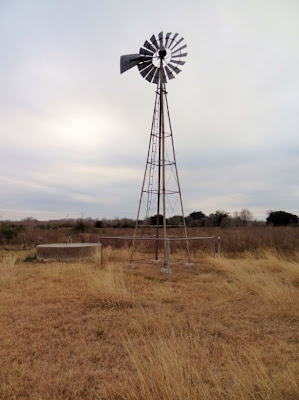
(66, 251)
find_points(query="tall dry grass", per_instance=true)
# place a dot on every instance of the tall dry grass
(227, 329)
(285, 240)
(235, 240)
(7, 270)
(111, 286)
(179, 366)
(264, 273)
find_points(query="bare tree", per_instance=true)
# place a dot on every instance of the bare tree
(245, 216)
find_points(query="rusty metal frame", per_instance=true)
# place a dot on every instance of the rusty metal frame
(160, 108)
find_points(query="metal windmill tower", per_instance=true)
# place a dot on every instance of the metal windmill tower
(160, 209)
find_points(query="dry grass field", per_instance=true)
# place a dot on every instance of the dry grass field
(227, 329)
(235, 240)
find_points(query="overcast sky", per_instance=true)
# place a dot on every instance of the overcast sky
(74, 132)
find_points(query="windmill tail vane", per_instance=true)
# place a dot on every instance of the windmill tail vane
(160, 200)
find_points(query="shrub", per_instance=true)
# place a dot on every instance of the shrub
(7, 232)
(80, 226)
(153, 220)
(282, 218)
(220, 218)
(99, 224)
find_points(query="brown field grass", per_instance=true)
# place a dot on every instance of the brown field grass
(227, 329)
(235, 240)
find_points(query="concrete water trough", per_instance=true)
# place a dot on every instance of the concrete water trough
(66, 251)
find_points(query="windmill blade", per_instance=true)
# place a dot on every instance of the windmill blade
(145, 52)
(178, 42)
(174, 68)
(144, 65)
(145, 58)
(149, 46)
(151, 74)
(169, 73)
(181, 48)
(172, 39)
(156, 76)
(178, 62)
(180, 55)
(128, 61)
(161, 40)
(147, 70)
(154, 42)
(167, 38)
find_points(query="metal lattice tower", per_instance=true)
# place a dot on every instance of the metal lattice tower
(160, 207)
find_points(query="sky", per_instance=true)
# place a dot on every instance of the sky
(74, 132)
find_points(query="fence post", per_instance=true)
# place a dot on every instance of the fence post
(219, 245)
(166, 269)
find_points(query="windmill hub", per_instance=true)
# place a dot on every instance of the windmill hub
(162, 54)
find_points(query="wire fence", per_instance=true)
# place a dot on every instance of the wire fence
(144, 249)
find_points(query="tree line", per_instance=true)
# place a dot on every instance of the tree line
(10, 230)
(220, 218)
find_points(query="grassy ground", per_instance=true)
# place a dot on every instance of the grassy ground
(227, 329)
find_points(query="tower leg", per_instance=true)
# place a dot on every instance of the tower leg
(178, 182)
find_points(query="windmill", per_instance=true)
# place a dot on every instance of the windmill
(158, 62)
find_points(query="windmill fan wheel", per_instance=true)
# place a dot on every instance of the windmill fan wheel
(158, 58)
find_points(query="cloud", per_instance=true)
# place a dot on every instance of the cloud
(74, 132)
